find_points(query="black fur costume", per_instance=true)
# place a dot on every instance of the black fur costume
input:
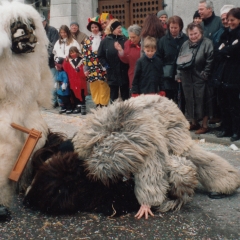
(61, 185)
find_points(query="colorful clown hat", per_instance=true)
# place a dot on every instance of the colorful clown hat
(95, 20)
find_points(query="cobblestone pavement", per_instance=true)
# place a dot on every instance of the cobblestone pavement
(203, 218)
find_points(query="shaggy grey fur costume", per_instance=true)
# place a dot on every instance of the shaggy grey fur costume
(148, 137)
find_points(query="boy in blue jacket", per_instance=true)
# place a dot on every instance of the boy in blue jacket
(63, 90)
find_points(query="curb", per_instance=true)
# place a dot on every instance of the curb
(210, 137)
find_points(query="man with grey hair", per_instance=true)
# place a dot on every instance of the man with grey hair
(211, 23)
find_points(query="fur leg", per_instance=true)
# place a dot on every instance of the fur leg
(182, 180)
(214, 173)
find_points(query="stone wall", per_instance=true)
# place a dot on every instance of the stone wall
(186, 8)
(66, 11)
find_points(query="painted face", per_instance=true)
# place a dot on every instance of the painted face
(118, 31)
(74, 28)
(194, 35)
(174, 29)
(224, 20)
(197, 20)
(149, 51)
(94, 28)
(73, 55)
(63, 34)
(135, 39)
(104, 24)
(163, 18)
(233, 22)
(204, 12)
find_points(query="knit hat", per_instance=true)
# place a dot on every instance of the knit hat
(114, 25)
(196, 15)
(162, 12)
(106, 16)
(226, 9)
(74, 23)
(95, 20)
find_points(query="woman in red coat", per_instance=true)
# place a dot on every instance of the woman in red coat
(73, 66)
(131, 52)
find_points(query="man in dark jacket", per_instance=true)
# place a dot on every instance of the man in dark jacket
(211, 23)
(117, 71)
(53, 36)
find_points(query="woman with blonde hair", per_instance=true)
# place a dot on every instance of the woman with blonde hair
(62, 46)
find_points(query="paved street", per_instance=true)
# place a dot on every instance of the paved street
(202, 219)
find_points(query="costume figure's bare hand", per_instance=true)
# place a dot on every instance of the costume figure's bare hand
(144, 210)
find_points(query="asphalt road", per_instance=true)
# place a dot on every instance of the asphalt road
(203, 218)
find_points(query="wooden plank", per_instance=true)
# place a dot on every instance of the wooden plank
(26, 151)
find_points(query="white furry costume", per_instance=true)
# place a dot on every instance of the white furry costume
(25, 86)
(148, 137)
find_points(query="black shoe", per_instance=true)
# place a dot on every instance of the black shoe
(4, 214)
(77, 110)
(69, 111)
(216, 195)
(83, 110)
(223, 134)
(234, 137)
(62, 111)
(55, 105)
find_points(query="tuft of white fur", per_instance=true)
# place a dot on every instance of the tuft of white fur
(25, 87)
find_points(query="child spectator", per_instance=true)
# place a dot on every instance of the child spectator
(63, 91)
(148, 77)
(77, 80)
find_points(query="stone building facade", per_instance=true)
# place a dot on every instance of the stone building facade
(66, 11)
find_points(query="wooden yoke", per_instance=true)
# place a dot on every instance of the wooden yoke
(26, 151)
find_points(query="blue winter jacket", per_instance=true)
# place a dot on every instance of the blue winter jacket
(62, 78)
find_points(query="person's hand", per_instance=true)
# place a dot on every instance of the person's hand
(67, 59)
(144, 211)
(135, 95)
(118, 46)
(86, 73)
(178, 80)
(162, 93)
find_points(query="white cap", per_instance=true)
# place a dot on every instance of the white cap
(226, 9)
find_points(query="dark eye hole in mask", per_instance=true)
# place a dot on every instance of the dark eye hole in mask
(23, 37)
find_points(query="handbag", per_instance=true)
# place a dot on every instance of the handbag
(187, 61)
(168, 71)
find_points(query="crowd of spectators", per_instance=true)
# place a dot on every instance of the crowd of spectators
(149, 60)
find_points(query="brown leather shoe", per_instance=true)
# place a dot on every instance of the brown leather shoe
(202, 130)
(194, 127)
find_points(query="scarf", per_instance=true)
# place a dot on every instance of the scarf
(194, 44)
(96, 39)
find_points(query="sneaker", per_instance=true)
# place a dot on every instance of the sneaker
(62, 111)
(69, 111)
(202, 130)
